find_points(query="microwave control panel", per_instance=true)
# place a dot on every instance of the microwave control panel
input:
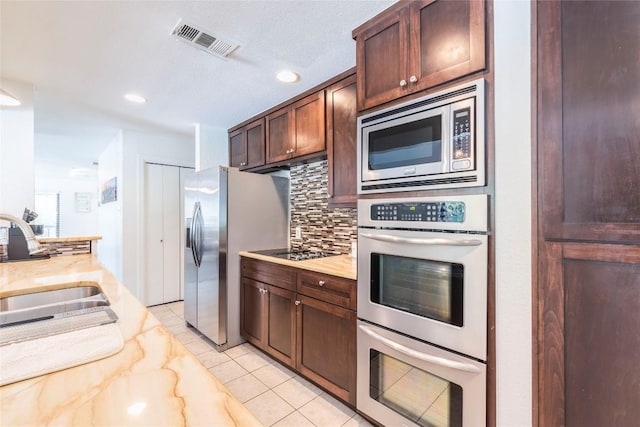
(462, 144)
(419, 212)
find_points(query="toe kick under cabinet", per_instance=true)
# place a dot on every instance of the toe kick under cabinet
(305, 320)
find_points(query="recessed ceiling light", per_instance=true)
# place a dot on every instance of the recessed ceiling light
(287, 76)
(133, 97)
(8, 100)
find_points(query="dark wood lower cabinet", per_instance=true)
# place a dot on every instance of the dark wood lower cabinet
(281, 324)
(314, 335)
(327, 346)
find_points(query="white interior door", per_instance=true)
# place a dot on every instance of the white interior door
(154, 229)
(172, 225)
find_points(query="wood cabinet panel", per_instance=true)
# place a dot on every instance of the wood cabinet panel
(602, 332)
(312, 335)
(237, 148)
(588, 284)
(326, 346)
(342, 143)
(279, 135)
(589, 121)
(378, 78)
(447, 40)
(281, 324)
(246, 146)
(309, 132)
(266, 272)
(252, 325)
(417, 45)
(327, 288)
(255, 144)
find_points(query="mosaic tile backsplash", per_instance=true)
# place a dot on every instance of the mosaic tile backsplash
(330, 230)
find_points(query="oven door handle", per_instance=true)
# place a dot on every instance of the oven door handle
(460, 366)
(414, 241)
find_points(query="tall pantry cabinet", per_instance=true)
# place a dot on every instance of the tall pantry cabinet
(588, 209)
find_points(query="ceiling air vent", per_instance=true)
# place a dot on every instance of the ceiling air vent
(204, 40)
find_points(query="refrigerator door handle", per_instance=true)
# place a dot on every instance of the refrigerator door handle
(194, 242)
(199, 238)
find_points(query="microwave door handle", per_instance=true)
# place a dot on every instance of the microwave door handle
(416, 241)
(460, 366)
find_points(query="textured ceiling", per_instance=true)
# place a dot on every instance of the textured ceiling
(82, 56)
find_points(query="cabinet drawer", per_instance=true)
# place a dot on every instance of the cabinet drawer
(272, 274)
(331, 289)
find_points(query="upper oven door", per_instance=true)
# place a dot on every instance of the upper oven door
(429, 285)
(406, 144)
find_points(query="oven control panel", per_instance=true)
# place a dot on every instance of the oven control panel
(419, 212)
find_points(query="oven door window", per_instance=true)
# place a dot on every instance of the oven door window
(409, 144)
(420, 396)
(426, 288)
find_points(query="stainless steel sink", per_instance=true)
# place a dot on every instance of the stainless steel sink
(72, 306)
(56, 296)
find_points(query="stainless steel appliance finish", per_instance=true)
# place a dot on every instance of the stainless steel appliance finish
(405, 382)
(436, 141)
(431, 285)
(422, 309)
(230, 211)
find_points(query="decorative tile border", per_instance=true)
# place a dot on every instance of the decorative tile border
(56, 249)
(330, 230)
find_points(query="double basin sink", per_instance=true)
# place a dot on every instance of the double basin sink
(73, 306)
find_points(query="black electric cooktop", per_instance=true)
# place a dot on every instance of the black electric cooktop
(291, 255)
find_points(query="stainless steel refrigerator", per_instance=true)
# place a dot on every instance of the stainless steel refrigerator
(227, 211)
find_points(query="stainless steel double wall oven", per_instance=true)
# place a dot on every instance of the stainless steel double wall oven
(422, 309)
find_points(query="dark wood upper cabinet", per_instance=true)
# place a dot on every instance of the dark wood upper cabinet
(246, 146)
(416, 45)
(296, 130)
(342, 143)
(589, 127)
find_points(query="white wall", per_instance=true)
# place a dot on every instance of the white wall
(211, 146)
(110, 215)
(73, 223)
(138, 147)
(16, 151)
(513, 211)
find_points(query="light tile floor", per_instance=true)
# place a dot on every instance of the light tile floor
(274, 394)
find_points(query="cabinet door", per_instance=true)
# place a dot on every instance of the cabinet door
(382, 55)
(281, 321)
(253, 315)
(309, 125)
(327, 346)
(279, 135)
(342, 143)
(237, 148)
(447, 41)
(255, 144)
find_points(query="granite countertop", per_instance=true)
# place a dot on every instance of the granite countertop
(337, 265)
(67, 239)
(154, 380)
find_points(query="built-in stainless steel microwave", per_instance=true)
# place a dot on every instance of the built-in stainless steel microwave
(436, 141)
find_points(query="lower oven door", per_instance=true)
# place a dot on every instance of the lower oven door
(405, 382)
(429, 285)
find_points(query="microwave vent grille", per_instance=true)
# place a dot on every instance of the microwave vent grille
(421, 103)
(425, 182)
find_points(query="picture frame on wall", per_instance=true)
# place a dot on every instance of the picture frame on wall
(109, 191)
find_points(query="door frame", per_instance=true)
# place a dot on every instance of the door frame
(141, 161)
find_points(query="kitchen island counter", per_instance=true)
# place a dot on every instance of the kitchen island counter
(154, 380)
(344, 266)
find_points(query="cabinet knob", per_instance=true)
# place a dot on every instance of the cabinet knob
(403, 83)
(243, 163)
(263, 291)
(413, 79)
(298, 303)
(321, 283)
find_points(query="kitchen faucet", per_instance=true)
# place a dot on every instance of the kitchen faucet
(33, 245)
